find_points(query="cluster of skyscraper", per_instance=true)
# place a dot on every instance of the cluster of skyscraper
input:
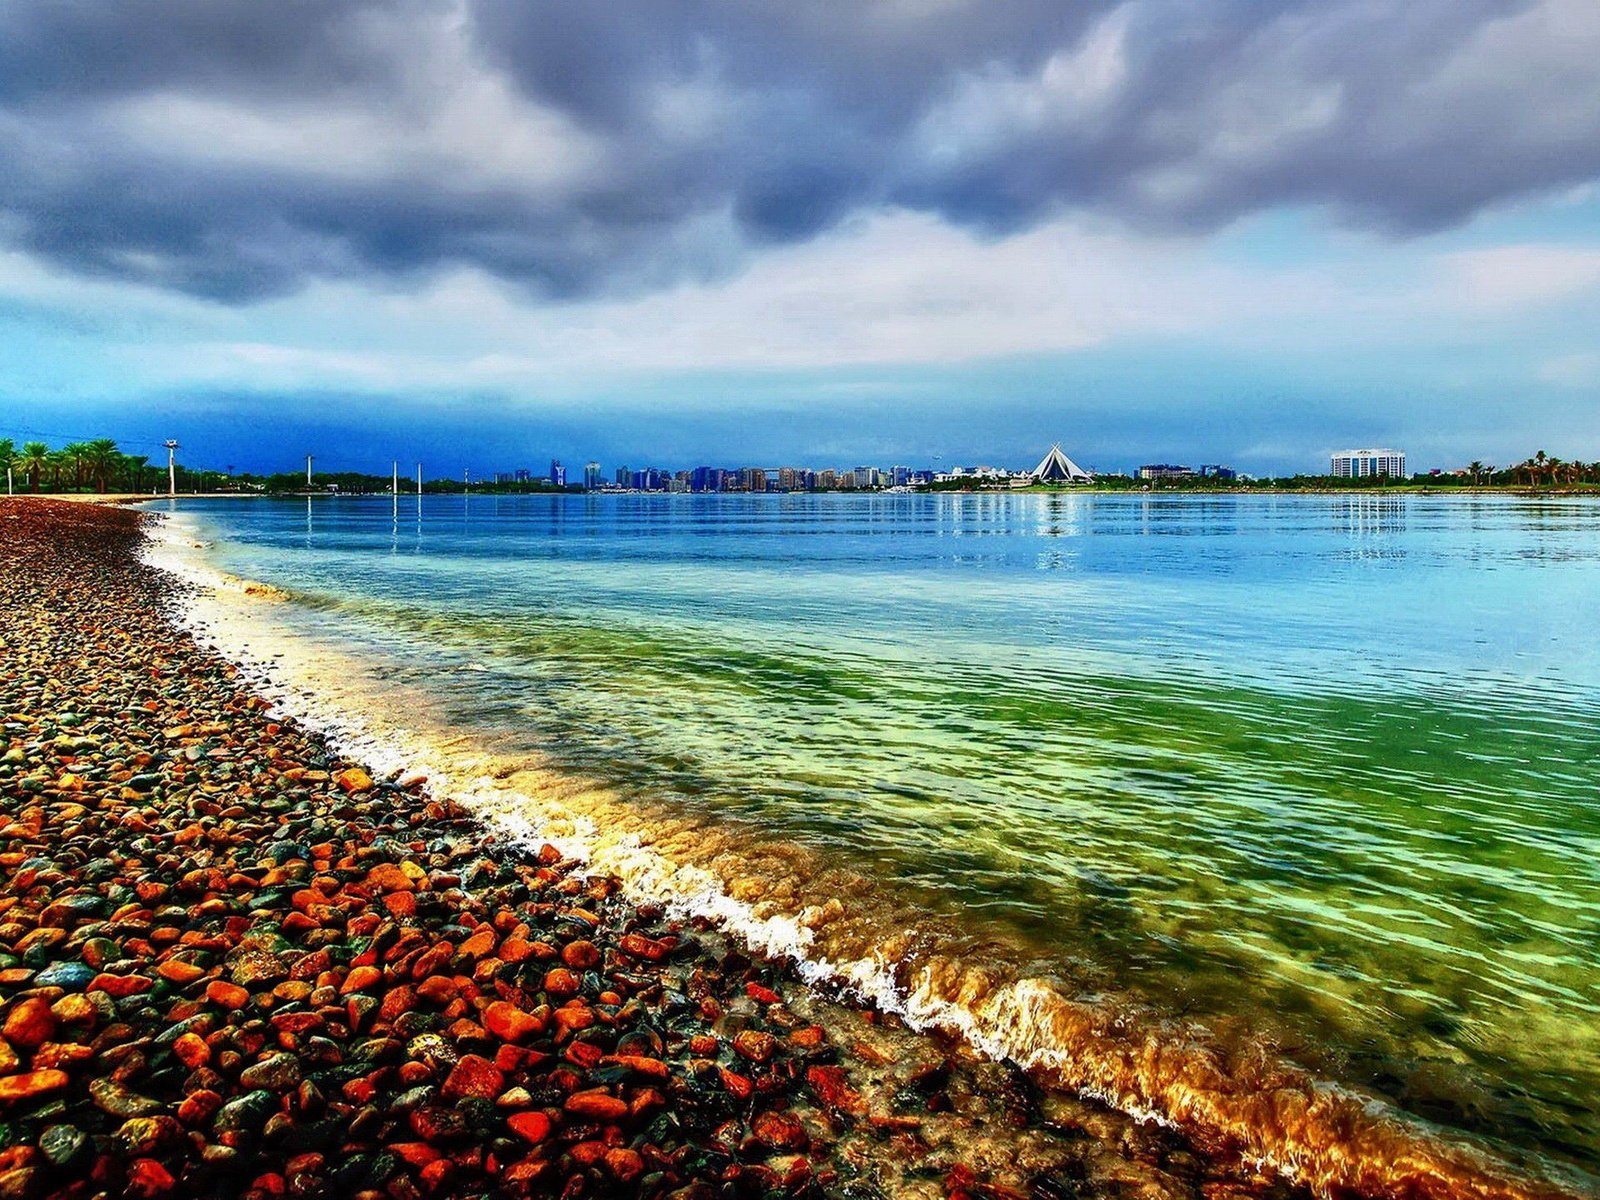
(1055, 468)
(556, 478)
(760, 479)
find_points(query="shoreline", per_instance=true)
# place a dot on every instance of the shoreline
(233, 963)
(868, 1121)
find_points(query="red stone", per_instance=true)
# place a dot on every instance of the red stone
(228, 995)
(387, 877)
(640, 946)
(828, 1083)
(361, 979)
(581, 955)
(510, 1023)
(739, 1085)
(31, 1084)
(418, 1154)
(180, 972)
(779, 1130)
(560, 982)
(147, 1177)
(29, 1024)
(532, 1127)
(597, 1104)
(754, 1045)
(625, 1165)
(474, 1075)
(353, 779)
(439, 989)
(199, 1107)
(639, 1065)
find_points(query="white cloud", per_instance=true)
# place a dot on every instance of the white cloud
(1521, 276)
(899, 290)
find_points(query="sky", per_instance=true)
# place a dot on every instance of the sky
(486, 233)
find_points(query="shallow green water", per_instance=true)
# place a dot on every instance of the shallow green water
(1326, 766)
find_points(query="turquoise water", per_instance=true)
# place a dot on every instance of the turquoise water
(1322, 771)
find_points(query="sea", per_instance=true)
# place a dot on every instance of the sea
(1272, 816)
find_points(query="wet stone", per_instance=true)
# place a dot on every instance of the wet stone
(62, 1145)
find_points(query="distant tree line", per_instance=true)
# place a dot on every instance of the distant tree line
(96, 466)
(99, 466)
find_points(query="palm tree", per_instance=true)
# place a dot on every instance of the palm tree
(99, 459)
(75, 459)
(8, 458)
(1476, 468)
(35, 458)
(62, 465)
(133, 467)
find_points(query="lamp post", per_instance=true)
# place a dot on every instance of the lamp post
(172, 470)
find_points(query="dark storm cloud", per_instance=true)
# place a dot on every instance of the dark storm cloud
(235, 149)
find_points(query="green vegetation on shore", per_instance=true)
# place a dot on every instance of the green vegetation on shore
(96, 466)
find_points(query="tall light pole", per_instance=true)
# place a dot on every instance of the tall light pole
(419, 480)
(172, 470)
(308, 472)
(394, 482)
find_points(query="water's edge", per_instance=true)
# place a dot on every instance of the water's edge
(1312, 1131)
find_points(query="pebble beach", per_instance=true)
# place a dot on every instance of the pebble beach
(234, 963)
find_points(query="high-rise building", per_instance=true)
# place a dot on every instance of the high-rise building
(558, 473)
(624, 477)
(1364, 464)
(1164, 471)
(591, 476)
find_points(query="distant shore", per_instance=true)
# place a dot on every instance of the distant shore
(1154, 491)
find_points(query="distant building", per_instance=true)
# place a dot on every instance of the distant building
(624, 477)
(591, 476)
(1056, 467)
(558, 473)
(517, 476)
(1217, 471)
(1165, 471)
(1364, 464)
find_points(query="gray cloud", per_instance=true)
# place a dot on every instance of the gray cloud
(233, 149)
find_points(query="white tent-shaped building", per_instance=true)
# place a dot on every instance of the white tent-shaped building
(1056, 467)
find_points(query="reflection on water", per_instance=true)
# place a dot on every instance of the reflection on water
(1326, 766)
